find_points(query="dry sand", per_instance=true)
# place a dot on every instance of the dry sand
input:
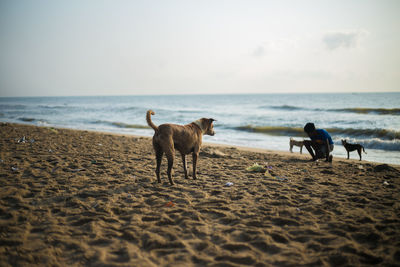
(91, 199)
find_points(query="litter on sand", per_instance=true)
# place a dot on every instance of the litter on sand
(256, 168)
(22, 140)
(169, 204)
(268, 174)
(228, 184)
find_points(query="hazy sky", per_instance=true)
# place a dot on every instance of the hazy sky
(82, 47)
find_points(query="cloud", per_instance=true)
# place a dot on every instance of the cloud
(343, 39)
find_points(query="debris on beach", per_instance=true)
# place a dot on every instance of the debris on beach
(229, 184)
(21, 140)
(169, 204)
(53, 130)
(268, 174)
(14, 169)
(256, 168)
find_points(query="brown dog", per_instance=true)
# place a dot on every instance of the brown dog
(184, 138)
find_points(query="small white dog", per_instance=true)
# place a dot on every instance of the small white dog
(293, 142)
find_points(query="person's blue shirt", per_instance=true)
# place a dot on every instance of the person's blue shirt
(322, 135)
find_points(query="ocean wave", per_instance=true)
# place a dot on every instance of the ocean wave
(33, 121)
(285, 107)
(379, 111)
(26, 119)
(382, 134)
(375, 143)
(12, 106)
(122, 124)
(55, 107)
(273, 130)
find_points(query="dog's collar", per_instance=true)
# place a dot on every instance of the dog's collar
(198, 123)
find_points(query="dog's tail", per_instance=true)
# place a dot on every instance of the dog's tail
(364, 150)
(148, 119)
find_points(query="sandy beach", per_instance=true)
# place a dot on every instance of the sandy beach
(80, 198)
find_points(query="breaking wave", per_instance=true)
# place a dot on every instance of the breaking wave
(273, 130)
(33, 120)
(287, 107)
(383, 134)
(378, 111)
(25, 119)
(375, 143)
(122, 125)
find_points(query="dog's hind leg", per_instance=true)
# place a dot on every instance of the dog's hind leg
(359, 152)
(184, 165)
(195, 156)
(170, 158)
(170, 153)
(301, 150)
(159, 155)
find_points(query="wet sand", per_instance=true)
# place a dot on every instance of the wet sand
(83, 198)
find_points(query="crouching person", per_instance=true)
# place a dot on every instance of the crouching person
(321, 145)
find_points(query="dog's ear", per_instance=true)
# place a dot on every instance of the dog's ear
(211, 119)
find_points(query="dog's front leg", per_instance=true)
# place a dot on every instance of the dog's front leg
(195, 156)
(184, 165)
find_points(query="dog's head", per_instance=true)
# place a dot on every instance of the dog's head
(206, 125)
(344, 142)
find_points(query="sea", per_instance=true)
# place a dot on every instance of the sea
(265, 121)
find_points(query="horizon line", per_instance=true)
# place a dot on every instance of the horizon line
(205, 94)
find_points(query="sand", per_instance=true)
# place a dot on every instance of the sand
(83, 198)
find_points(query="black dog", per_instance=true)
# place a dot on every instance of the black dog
(351, 147)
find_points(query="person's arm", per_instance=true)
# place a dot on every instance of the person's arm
(327, 149)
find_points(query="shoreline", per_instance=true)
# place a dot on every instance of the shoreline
(84, 198)
(243, 148)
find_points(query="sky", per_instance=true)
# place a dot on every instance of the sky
(98, 47)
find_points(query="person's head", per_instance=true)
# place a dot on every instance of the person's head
(309, 128)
